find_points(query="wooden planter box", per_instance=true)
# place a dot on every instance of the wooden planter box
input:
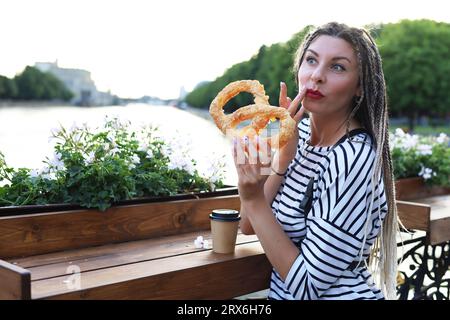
(415, 188)
(131, 251)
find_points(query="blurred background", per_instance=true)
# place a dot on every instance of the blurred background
(162, 63)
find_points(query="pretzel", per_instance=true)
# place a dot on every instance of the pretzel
(261, 112)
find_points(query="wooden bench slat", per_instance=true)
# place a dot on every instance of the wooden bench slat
(195, 276)
(120, 254)
(15, 282)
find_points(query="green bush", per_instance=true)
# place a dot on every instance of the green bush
(98, 167)
(421, 156)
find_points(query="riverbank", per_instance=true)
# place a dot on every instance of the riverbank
(32, 103)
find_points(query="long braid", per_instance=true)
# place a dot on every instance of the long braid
(372, 111)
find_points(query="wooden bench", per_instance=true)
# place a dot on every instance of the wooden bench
(430, 214)
(142, 251)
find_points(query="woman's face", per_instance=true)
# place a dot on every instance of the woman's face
(329, 71)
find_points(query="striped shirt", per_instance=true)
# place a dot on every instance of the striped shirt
(330, 235)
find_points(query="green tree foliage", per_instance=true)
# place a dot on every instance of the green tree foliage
(8, 88)
(32, 84)
(270, 66)
(416, 61)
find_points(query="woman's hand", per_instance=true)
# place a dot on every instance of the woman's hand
(252, 158)
(284, 156)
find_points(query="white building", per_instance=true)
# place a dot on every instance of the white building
(79, 82)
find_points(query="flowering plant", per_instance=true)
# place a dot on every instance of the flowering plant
(97, 167)
(421, 156)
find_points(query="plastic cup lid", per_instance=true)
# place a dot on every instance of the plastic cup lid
(225, 214)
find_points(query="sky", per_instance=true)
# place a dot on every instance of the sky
(156, 47)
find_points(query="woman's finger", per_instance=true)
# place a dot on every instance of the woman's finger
(293, 107)
(253, 151)
(284, 99)
(238, 152)
(265, 152)
(298, 116)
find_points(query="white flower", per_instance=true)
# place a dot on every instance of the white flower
(114, 150)
(54, 133)
(442, 138)
(198, 243)
(35, 173)
(111, 137)
(149, 154)
(213, 172)
(88, 159)
(106, 146)
(399, 132)
(135, 159)
(77, 137)
(143, 146)
(426, 173)
(74, 127)
(45, 173)
(180, 162)
(56, 161)
(410, 141)
(424, 149)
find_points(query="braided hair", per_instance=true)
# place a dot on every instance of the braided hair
(371, 110)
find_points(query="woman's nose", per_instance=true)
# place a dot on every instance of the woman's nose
(318, 75)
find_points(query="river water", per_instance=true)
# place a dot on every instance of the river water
(25, 131)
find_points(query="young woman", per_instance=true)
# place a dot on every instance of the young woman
(328, 212)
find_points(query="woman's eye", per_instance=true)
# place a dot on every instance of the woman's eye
(310, 60)
(338, 67)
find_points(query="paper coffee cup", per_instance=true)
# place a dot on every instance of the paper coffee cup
(224, 227)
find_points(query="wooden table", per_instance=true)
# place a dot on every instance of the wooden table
(162, 268)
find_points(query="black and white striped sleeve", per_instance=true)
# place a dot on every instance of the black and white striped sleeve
(335, 224)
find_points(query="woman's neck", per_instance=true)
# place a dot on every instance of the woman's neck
(326, 132)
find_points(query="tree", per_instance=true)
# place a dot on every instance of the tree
(33, 84)
(8, 88)
(416, 62)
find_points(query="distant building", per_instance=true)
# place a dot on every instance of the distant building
(183, 93)
(80, 83)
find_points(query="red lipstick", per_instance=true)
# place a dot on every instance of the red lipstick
(314, 94)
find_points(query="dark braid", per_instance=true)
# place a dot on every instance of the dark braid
(371, 110)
